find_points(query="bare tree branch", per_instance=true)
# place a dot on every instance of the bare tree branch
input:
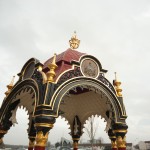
(91, 128)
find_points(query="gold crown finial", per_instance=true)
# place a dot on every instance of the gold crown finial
(74, 42)
(10, 86)
(52, 66)
(117, 84)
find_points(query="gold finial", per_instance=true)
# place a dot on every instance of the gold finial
(40, 67)
(74, 42)
(117, 84)
(10, 86)
(51, 74)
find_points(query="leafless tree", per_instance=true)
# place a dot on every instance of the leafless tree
(91, 128)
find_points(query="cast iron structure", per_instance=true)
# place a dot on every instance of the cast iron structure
(71, 85)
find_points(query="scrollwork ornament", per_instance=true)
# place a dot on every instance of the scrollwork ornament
(68, 75)
(106, 82)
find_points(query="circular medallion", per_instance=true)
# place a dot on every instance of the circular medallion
(89, 68)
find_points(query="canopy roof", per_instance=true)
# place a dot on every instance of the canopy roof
(63, 61)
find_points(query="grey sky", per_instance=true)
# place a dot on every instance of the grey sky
(116, 32)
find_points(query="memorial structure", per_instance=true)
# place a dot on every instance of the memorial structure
(72, 85)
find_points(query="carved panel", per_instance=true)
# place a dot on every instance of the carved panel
(68, 75)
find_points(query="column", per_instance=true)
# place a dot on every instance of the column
(31, 143)
(121, 142)
(42, 135)
(120, 130)
(2, 133)
(121, 138)
(112, 137)
(76, 132)
(75, 143)
(113, 143)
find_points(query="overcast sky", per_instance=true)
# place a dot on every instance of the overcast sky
(116, 32)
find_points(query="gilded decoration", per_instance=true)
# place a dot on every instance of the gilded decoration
(40, 68)
(113, 144)
(44, 125)
(121, 143)
(74, 42)
(117, 86)
(10, 86)
(120, 131)
(41, 140)
(52, 66)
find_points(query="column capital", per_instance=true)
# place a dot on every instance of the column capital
(120, 131)
(31, 141)
(121, 142)
(41, 139)
(49, 125)
(113, 144)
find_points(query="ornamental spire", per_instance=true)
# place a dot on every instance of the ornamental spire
(117, 84)
(74, 42)
(10, 86)
(52, 66)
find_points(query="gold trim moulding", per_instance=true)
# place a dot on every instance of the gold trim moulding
(120, 131)
(43, 125)
(112, 137)
(77, 139)
(43, 105)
